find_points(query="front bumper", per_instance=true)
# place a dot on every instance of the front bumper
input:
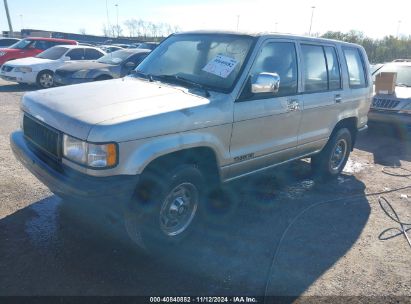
(67, 182)
(389, 117)
(28, 78)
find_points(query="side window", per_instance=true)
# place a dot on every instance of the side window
(41, 45)
(315, 68)
(92, 54)
(280, 58)
(333, 67)
(355, 66)
(76, 54)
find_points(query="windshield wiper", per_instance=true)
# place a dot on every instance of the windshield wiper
(143, 75)
(182, 80)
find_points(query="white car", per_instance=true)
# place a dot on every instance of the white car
(40, 69)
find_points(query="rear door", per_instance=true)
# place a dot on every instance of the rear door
(76, 54)
(266, 125)
(322, 94)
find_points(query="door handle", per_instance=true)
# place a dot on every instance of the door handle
(293, 105)
(337, 98)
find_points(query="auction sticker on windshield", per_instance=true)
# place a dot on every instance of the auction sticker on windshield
(221, 66)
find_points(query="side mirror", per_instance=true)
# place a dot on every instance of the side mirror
(130, 64)
(65, 58)
(266, 83)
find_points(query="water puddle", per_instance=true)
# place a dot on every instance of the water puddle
(42, 227)
(297, 190)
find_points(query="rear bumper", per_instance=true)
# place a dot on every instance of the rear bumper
(67, 182)
(389, 117)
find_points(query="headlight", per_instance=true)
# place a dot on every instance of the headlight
(80, 74)
(23, 69)
(88, 154)
(2, 53)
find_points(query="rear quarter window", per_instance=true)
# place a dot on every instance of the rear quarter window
(356, 68)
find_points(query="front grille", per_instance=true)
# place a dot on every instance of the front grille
(6, 68)
(46, 138)
(384, 103)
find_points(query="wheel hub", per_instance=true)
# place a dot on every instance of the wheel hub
(178, 209)
(338, 156)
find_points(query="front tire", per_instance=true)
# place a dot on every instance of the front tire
(332, 159)
(45, 79)
(165, 208)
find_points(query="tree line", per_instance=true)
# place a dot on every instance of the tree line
(378, 50)
(138, 28)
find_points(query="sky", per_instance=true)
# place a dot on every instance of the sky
(375, 18)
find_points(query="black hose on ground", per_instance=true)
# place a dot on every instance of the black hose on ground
(403, 229)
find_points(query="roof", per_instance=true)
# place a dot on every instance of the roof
(399, 63)
(267, 35)
(134, 51)
(50, 39)
(75, 46)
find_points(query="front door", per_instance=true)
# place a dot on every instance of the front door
(265, 129)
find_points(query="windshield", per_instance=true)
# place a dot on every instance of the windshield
(115, 58)
(211, 60)
(403, 73)
(53, 53)
(22, 44)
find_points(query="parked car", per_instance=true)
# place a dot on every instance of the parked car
(30, 47)
(202, 108)
(113, 65)
(144, 45)
(6, 42)
(394, 108)
(148, 45)
(110, 48)
(40, 69)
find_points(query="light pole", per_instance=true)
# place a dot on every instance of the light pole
(311, 22)
(238, 21)
(6, 7)
(398, 29)
(108, 20)
(116, 5)
(21, 21)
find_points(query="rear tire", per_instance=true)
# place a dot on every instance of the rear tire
(330, 162)
(165, 208)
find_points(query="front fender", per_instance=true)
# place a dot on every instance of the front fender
(140, 153)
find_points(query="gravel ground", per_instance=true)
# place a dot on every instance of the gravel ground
(283, 235)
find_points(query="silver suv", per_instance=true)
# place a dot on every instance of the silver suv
(202, 108)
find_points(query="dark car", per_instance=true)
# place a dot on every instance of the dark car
(114, 65)
(6, 42)
(144, 45)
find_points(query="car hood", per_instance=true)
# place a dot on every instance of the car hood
(74, 66)
(77, 109)
(8, 50)
(29, 61)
